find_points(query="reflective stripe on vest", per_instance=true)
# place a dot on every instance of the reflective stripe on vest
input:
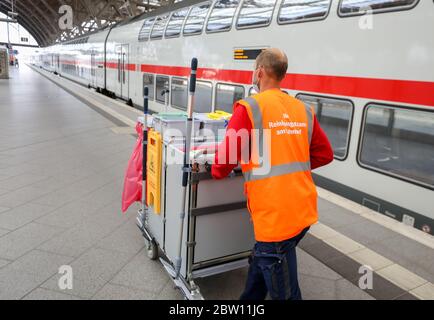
(258, 123)
(309, 121)
(281, 169)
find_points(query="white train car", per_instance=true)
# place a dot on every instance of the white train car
(123, 67)
(367, 66)
(81, 60)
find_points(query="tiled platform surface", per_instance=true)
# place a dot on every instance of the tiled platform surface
(61, 176)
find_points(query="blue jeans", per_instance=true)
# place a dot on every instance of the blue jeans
(273, 269)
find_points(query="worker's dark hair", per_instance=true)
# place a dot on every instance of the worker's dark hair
(274, 61)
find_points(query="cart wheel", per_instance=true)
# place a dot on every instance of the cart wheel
(152, 250)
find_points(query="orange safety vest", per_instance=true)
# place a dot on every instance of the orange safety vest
(281, 194)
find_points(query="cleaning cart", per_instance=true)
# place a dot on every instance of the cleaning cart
(196, 226)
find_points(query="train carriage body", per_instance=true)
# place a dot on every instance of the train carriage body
(369, 76)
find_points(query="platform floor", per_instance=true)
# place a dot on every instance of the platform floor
(62, 161)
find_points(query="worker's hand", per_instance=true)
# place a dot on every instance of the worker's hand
(208, 167)
(238, 171)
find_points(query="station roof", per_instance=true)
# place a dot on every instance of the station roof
(41, 17)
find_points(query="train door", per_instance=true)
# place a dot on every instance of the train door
(118, 86)
(93, 69)
(125, 72)
(123, 76)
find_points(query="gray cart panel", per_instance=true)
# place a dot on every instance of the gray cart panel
(223, 234)
(220, 223)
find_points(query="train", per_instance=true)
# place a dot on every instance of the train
(366, 66)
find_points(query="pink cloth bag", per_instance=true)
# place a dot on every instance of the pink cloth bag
(134, 175)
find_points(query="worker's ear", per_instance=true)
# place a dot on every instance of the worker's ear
(259, 73)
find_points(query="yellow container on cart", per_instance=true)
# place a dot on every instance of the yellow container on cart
(153, 194)
(220, 115)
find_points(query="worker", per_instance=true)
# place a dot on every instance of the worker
(284, 143)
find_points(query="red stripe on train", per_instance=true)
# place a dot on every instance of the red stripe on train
(111, 65)
(414, 92)
(236, 76)
(404, 91)
(131, 67)
(114, 65)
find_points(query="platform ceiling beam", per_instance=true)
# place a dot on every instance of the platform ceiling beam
(41, 17)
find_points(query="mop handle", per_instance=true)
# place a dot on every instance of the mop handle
(145, 131)
(190, 109)
(186, 168)
(193, 78)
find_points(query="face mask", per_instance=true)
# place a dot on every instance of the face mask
(255, 82)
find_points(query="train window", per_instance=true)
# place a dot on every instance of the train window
(359, 7)
(196, 19)
(227, 95)
(256, 13)
(161, 84)
(399, 142)
(203, 98)
(146, 29)
(148, 81)
(308, 10)
(335, 117)
(175, 23)
(222, 15)
(159, 26)
(179, 93)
